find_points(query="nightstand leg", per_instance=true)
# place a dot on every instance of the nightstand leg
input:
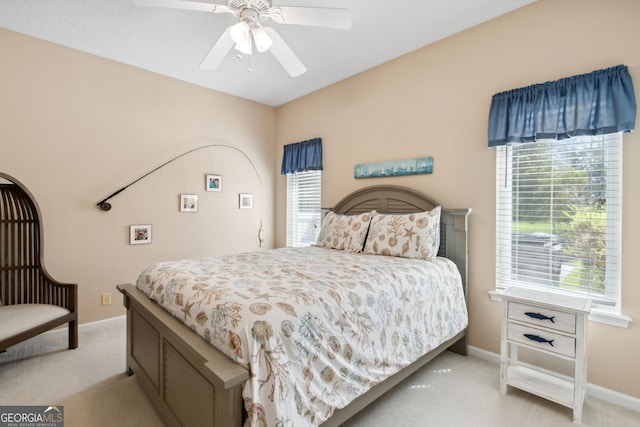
(580, 370)
(504, 354)
(504, 361)
(577, 416)
(578, 393)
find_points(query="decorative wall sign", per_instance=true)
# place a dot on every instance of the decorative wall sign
(420, 165)
(213, 183)
(188, 203)
(246, 201)
(139, 234)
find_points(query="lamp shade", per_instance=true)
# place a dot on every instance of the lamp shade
(240, 32)
(244, 47)
(262, 39)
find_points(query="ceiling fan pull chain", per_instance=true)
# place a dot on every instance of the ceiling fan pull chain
(249, 69)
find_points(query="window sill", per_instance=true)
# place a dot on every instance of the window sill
(597, 314)
(609, 318)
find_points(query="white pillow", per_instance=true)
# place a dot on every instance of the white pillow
(415, 235)
(344, 232)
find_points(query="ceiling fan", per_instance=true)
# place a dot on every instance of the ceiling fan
(249, 30)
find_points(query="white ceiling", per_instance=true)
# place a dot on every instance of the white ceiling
(173, 42)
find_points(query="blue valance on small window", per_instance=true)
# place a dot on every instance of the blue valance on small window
(597, 103)
(302, 156)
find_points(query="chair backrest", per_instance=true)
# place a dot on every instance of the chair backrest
(20, 246)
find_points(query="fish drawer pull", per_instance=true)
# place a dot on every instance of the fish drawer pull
(539, 339)
(540, 316)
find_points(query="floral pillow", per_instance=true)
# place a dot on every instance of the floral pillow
(414, 235)
(345, 232)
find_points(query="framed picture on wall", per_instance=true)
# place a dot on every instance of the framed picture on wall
(188, 203)
(213, 183)
(246, 201)
(140, 234)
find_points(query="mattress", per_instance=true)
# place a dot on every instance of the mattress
(315, 327)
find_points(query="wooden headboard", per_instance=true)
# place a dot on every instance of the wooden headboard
(398, 200)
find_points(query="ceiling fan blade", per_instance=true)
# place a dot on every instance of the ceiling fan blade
(218, 51)
(183, 4)
(312, 16)
(284, 54)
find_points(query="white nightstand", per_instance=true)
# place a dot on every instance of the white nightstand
(553, 324)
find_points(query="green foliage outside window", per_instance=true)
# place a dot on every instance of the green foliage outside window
(563, 192)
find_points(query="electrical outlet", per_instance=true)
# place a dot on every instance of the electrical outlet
(106, 299)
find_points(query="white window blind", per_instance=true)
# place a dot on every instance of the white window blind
(559, 216)
(303, 207)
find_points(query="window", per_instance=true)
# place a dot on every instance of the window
(559, 216)
(303, 207)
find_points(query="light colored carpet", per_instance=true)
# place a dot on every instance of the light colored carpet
(450, 391)
(90, 381)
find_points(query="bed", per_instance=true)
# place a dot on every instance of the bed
(332, 367)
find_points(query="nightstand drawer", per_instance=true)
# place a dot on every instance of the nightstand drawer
(541, 339)
(545, 317)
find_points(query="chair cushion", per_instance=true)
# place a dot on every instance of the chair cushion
(18, 318)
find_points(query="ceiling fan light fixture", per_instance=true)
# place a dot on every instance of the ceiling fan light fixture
(262, 39)
(244, 47)
(249, 31)
(240, 33)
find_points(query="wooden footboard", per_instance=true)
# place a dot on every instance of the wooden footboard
(188, 380)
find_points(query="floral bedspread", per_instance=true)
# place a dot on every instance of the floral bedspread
(317, 327)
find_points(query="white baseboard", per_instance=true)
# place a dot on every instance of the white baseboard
(100, 323)
(595, 391)
(484, 354)
(64, 329)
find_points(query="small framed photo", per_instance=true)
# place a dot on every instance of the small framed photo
(246, 201)
(188, 203)
(213, 183)
(140, 234)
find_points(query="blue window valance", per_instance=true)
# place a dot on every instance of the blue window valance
(597, 103)
(302, 156)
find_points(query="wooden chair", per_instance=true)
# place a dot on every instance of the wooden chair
(31, 301)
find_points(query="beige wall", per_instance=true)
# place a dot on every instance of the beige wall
(74, 128)
(435, 102)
